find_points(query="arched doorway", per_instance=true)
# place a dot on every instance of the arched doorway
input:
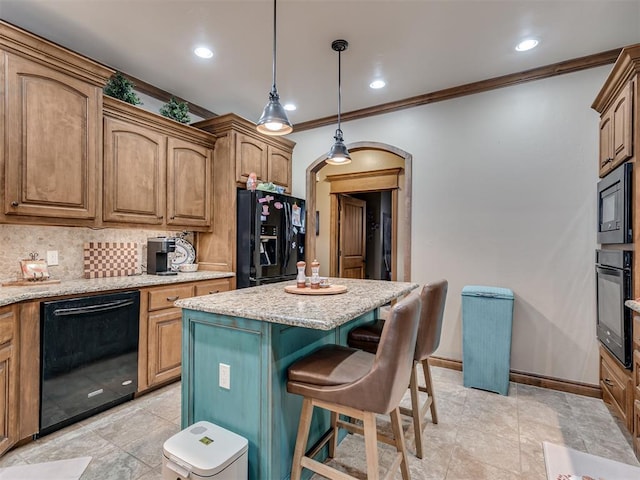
(403, 208)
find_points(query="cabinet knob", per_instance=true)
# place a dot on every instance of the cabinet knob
(160, 217)
(172, 218)
(14, 204)
(608, 382)
(213, 291)
(173, 299)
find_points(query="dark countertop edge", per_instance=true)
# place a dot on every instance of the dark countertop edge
(10, 295)
(294, 321)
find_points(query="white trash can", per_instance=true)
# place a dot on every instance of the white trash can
(205, 450)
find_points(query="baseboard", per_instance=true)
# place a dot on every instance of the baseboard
(567, 386)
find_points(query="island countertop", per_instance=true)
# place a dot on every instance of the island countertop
(270, 303)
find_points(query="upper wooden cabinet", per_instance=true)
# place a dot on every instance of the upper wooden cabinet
(51, 130)
(250, 151)
(239, 150)
(156, 171)
(616, 102)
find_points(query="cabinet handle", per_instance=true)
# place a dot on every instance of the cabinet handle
(214, 291)
(160, 217)
(14, 204)
(608, 382)
(173, 299)
(172, 218)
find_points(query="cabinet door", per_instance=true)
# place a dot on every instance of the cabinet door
(52, 134)
(606, 139)
(251, 156)
(8, 381)
(188, 184)
(164, 345)
(134, 174)
(279, 168)
(622, 147)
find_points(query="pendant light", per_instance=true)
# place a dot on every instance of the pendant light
(339, 155)
(274, 119)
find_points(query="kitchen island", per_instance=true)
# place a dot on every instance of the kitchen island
(237, 346)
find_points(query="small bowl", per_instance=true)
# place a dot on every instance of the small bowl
(188, 267)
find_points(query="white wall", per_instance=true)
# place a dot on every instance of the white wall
(504, 189)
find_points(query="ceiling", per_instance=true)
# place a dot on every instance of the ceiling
(417, 46)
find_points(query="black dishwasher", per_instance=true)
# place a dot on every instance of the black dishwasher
(89, 356)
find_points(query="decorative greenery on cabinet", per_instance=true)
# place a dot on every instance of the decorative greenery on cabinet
(175, 110)
(121, 88)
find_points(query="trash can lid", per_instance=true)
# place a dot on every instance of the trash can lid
(491, 292)
(204, 448)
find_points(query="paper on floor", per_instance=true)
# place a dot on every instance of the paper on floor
(70, 469)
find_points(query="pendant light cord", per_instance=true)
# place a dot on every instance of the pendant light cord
(273, 87)
(339, 91)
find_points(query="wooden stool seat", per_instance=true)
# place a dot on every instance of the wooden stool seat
(351, 382)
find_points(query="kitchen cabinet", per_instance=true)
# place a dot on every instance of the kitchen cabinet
(51, 130)
(160, 353)
(616, 131)
(617, 389)
(239, 150)
(9, 404)
(156, 171)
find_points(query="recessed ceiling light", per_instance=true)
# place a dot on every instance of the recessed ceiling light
(290, 107)
(377, 84)
(203, 52)
(528, 44)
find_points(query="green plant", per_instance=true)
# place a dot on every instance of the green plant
(178, 111)
(121, 88)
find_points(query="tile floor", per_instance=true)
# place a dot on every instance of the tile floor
(480, 435)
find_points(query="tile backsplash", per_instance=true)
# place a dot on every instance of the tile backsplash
(18, 241)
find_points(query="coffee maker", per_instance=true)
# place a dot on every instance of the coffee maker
(158, 260)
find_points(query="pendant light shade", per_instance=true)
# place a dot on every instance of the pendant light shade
(274, 119)
(339, 155)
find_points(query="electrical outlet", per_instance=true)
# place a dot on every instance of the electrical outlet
(52, 257)
(224, 372)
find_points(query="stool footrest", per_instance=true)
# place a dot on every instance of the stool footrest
(353, 428)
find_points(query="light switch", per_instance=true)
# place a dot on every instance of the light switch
(224, 372)
(52, 257)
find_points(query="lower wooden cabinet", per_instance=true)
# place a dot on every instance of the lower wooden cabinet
(8, 379)
(160, 354)
(636, 421)
(617, 387)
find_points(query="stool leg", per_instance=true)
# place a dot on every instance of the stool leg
(415, 410)
(333, 443)
(429, 384)
(398, 435)
(302, 438)
(371, 445)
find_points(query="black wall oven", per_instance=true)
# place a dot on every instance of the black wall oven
(613, 288)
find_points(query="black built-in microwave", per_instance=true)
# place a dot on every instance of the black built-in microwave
(614, 206)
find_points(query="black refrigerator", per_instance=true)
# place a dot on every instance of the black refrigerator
(271, 231)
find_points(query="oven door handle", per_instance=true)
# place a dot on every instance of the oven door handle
(103, 307)
(618, 272)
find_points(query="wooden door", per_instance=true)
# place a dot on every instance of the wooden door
(606, 150)
(279, 168)
(8, 381)
(165, 345)
(352, 237)
(134, 174)
(52, 133)
(188, 184)
(622, 147)
(251, 156)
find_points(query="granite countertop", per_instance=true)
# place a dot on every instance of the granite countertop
(271, 303)
(633, 305)
(10, 295)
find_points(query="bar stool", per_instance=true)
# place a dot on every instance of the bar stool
(367, 338)
(358, 384)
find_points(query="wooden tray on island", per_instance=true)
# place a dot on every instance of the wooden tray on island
(330, 290)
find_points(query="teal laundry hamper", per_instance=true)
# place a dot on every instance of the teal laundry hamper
(487, 319)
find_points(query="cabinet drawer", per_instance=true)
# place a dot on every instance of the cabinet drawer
(213, 286)
(636, 370)
(6, 325)
(636, 330)
(164, 297)
(636, 422)
(616, 388)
